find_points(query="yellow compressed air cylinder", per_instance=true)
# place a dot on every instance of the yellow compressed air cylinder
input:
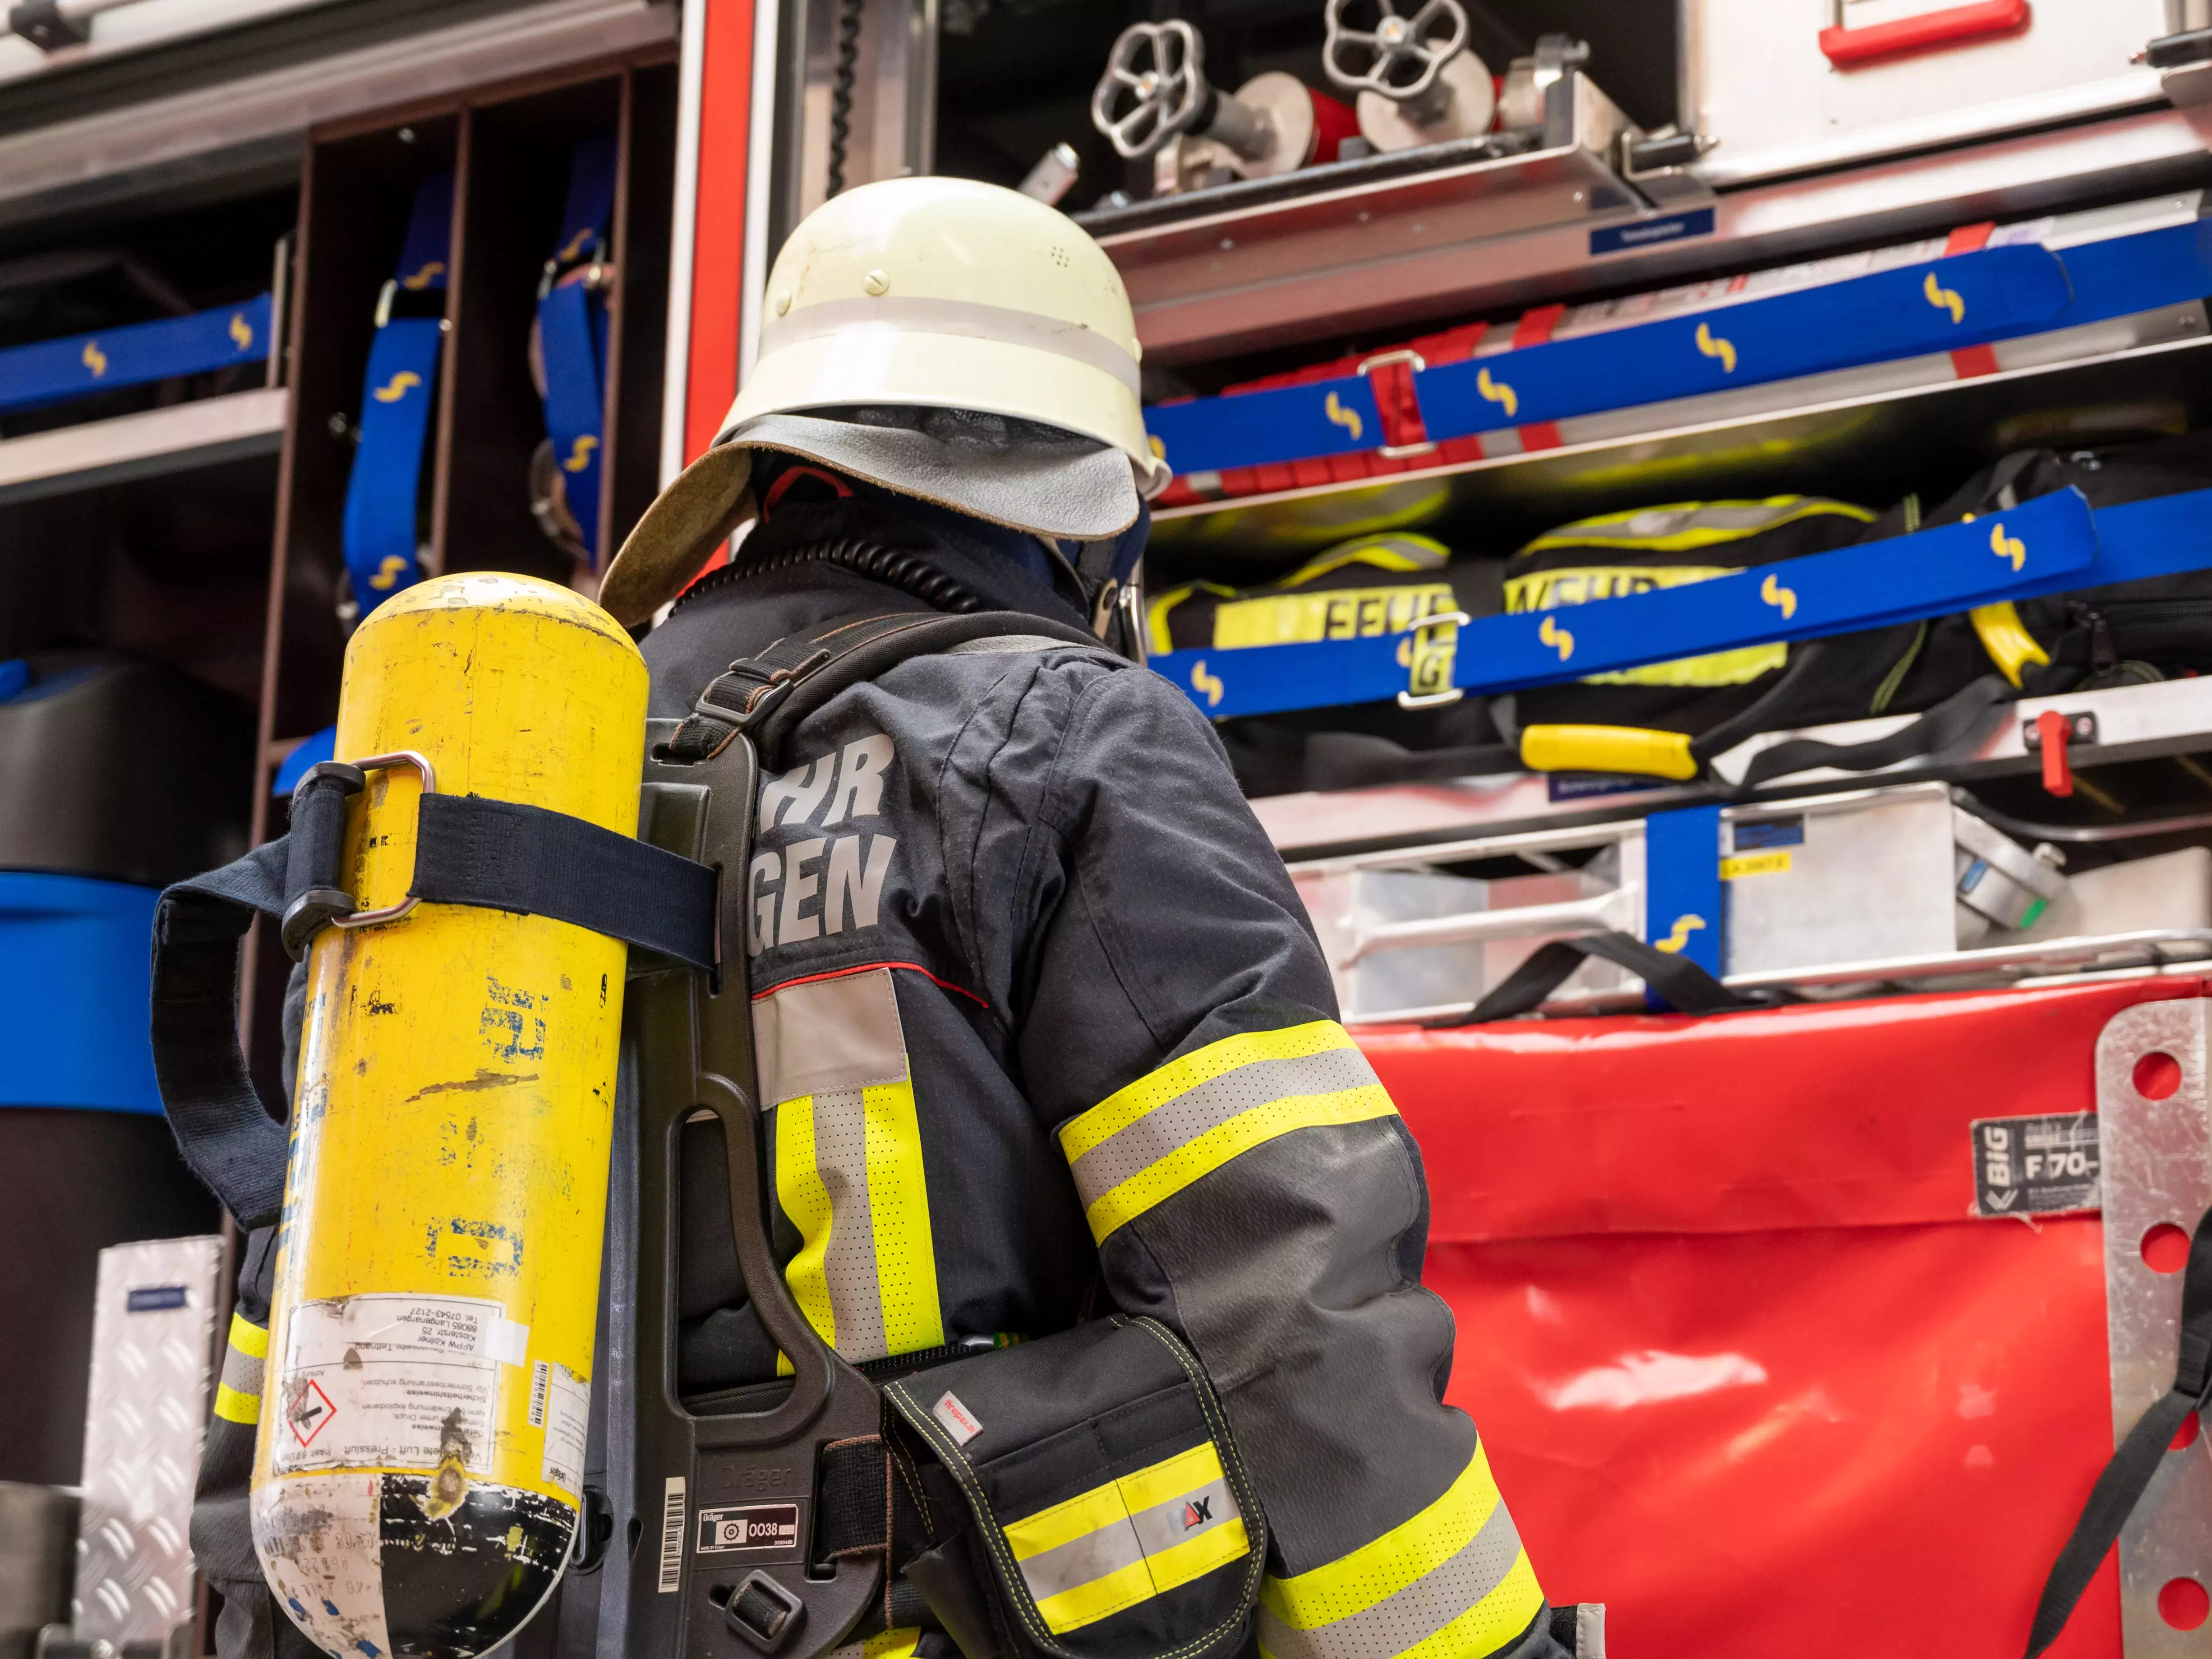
(418, 1471)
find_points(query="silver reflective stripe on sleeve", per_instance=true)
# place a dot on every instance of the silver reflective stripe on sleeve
(1183, 1119)
(1399, 1623)
(848, 1166)
(1179, 1123)
(1450, 1582)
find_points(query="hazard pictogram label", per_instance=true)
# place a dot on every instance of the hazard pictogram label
(310, 1412)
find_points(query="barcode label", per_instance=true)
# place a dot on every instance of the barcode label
(672, 1536)
(538, 1374)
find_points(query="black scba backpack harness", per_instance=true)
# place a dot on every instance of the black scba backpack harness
(783, 1517)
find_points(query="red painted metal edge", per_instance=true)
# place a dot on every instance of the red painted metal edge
(718, 255)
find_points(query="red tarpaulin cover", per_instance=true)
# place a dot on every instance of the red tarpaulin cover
(1749, 1370)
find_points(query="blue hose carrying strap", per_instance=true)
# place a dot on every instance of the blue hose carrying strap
(2051, 544)
(572, 332)
(397, 396)
(1940, 304)
(1931, 306)
(1952, 568)
(53, 371)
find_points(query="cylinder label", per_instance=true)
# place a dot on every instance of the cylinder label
(392, 1382)
(561, 1405)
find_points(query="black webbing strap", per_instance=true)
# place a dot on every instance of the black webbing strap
(2120, 1487)
(227, 1136)
(498, 855)
(1687, 988)
(868, 1502)
(765, 696)
(495, 855)
(1953, 730)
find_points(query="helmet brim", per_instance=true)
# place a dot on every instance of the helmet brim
(1081, 490)
(679, 531)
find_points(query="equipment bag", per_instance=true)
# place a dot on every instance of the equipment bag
(1599, 724)
(2128, 633)
(1361, 588)
(1961, 668)
(1086, 1486)
(1617, 554)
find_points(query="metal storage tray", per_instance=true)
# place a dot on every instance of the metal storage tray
(2135, 722)
(1224, 273)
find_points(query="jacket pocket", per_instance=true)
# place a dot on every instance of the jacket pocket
(1095, 1492)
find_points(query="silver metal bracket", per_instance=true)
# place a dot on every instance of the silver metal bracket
(2155, 1122)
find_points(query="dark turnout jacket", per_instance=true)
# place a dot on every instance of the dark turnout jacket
(1044, 1031)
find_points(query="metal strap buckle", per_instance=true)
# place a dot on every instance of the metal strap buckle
(1411, 699)
(1402, 355)
(378, 764)
(306, 915)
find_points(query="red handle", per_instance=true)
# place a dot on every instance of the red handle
(1929, 31)
(2054, 729)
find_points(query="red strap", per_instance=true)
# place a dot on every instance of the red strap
(1969, 239)
(1969, 362)
(1535, 327)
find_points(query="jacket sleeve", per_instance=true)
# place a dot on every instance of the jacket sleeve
(1249, 1183)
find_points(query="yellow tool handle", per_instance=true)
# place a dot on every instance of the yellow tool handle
(1608, 749)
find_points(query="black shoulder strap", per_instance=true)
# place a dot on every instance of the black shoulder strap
(766, 696)
(2121, 1487)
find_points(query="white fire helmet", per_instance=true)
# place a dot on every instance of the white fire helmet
(949, 340)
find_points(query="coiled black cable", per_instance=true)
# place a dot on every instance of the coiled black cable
(841, 90)
(907, 572)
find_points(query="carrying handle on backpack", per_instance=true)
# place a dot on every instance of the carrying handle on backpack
(2121, 1487)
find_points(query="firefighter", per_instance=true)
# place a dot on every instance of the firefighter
(1044, 1029)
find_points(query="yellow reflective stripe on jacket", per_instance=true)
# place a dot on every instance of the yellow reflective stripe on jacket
(1173, 1125)
(238, 1396)
(1454, 1580)
(848, 1166)
(1130, 1540)
(848, 1173)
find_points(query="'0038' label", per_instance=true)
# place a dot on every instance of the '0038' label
(764, 1529)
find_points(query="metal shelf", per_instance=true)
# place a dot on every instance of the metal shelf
(1378, 255)
(1869, 434)
(2133, 722)
(184, 436)
(253, 117)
